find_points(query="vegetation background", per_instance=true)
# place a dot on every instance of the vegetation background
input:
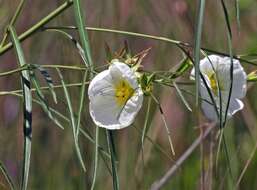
(54, 164)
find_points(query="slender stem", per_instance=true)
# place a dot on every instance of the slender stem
(153, 37)
(165, 178)
(2, 93)
(12, 22)
(41, 24)
(38, 26)
(17, 70)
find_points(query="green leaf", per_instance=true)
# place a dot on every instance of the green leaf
(237, 14)
(72, 119)
(182, 97)
(183, 67)
(252, 77)
(111, 145)
(197, 46)
(48, 80)
(27, 105)
(165, 124)
(146, 123)
(44, 105)
(83, 33)
(96, 156)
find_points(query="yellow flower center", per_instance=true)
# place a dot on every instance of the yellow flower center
(213, 83)
(123, 91)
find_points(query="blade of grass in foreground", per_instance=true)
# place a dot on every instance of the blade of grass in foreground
(67, 97)
(165, 124)
(237, 14)
(229, 36)
(96, 156)
(146, 123)
(43, 101)
(197, 47)
(48, 80)
(27, 109)
(111, 145)
(13, 20)
(82, 32)
(7, 176)
(182, 96)
(80, 22)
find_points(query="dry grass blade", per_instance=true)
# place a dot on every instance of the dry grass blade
(165, 124)
(7, 176)
(246, 166)
(158, 184)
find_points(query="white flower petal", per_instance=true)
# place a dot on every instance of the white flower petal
(235, 106)
(119, 70)
(209, 64)
(239, 78)
(221, 66)
(105, 106)
(131, 108)
(100, 84)
(105, 112)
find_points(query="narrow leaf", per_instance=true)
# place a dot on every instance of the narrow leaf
(72, 119)
(7, 176)
(182, 96)
(96, 156)
(48, 80)
(111, 145)
(44, 104)
(197, 46)
(146, 124)
(27, 109)
(183, 67)
(79, 17)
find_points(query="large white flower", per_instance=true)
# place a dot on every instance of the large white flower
(216, 72)
(115, 97)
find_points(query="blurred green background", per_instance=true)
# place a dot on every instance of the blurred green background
(54, 164)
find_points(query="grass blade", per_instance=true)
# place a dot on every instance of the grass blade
(82, 32)
(7, 176)
(72, 119)
(43, 101)
(197, 47)
(146, 123)
(96, 156)
(27, 109)
(13, 20)
(237, 14)
(183, 67)
(111, 146)
(229, 36)
(75, 42)
(48, 80)
(165, 123)
(182, 96)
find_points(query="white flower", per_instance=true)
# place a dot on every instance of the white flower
(115, 97)
(216, 72)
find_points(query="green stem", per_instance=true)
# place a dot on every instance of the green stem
(38, 26)
(12, 22)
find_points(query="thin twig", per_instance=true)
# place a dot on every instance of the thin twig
(165, 178)
(246, 166)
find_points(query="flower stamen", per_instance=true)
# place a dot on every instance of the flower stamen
(123, 92)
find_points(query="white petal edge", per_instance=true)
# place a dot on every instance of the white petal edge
(103, 109)
(119, 70)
